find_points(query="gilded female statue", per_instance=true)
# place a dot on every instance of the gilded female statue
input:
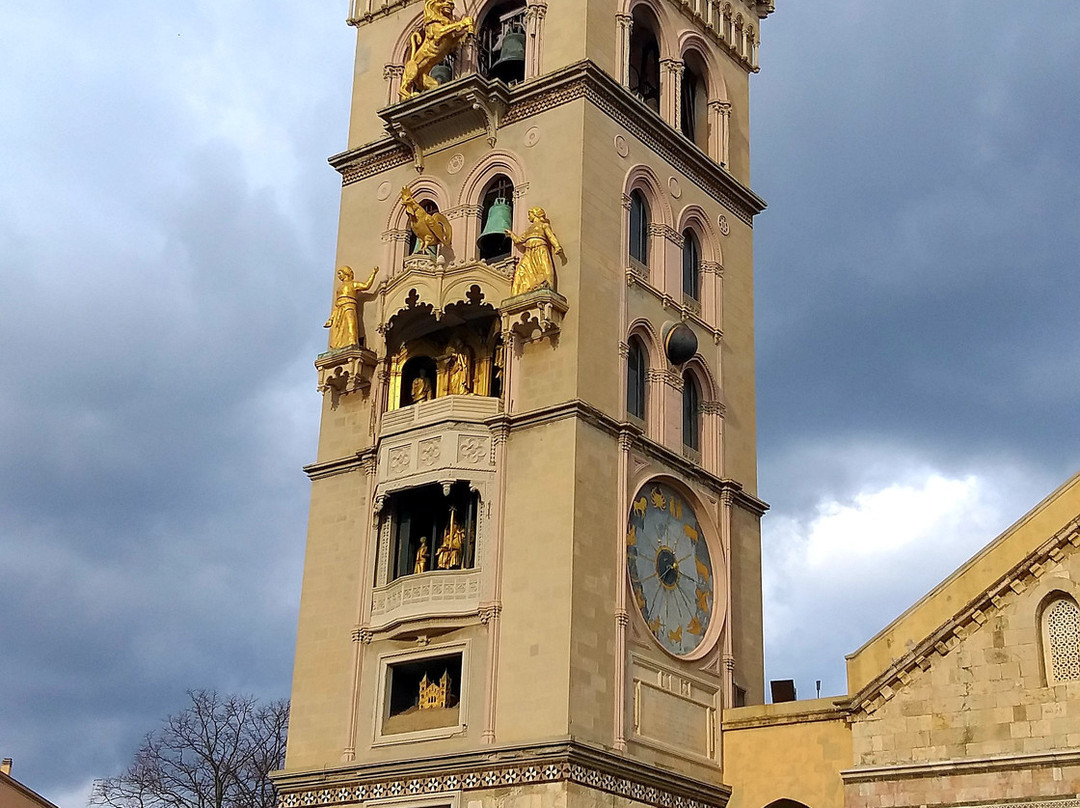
(344, 322)
(537, 265)
(459, 370)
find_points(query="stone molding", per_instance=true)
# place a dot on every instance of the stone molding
(683, 308)
(586, 80)
(965, 623)
(519, 766)
(972, 765)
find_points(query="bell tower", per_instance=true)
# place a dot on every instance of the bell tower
(533, 557)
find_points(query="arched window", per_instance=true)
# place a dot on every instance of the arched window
(414, 243)
(693, 104)
(691, 265)
(501, 40)
(645, 60)
(496, 216)
(637, 367)
(1061, 640)
(691, 417)
(639, 228)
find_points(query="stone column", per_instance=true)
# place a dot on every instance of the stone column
(622, 616)
(392, 74)
(719, 131)
(671, 71)
(535, 12)
(626, 27)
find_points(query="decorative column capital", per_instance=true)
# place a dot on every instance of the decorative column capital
(489, 612)
(362, 635)
(392, 71)
(729, 662)
(675, 66)
(622, 617)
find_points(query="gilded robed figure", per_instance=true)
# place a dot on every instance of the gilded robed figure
(344, 322)
(536, 268)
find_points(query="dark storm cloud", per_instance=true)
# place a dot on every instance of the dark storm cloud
(916, 292)
(166, 244)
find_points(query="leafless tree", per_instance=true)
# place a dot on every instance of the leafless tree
(216, 753)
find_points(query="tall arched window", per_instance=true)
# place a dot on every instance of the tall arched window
(645, 59)
(496, 216)
(639, 228)
(693, 103)
(691, 417)
(637, 368)
(691, 265)
(1061, 640)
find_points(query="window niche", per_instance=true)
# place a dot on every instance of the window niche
(693, 103)
(639, 230)
(645, 59)
(423, 694)
(637, 370)
(691, 413)
(691, 266)
(1061, 639)
(432, 531)
(501, 40)
(460, 353)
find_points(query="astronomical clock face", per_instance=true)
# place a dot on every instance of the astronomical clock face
(670, 569)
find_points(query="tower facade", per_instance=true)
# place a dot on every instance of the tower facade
(533, 559)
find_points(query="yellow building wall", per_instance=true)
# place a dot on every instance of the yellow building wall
(789, 751)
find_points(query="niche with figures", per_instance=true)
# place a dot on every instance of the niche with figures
(458, 354)
(432, 530)
(423, 694)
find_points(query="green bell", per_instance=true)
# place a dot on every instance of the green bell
(493, 241)
(442, 72)
(510, 66)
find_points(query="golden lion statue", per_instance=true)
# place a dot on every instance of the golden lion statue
(439, 35)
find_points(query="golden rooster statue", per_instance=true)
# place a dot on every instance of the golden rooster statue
(430, 229)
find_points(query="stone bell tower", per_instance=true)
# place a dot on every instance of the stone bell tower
(533, 557)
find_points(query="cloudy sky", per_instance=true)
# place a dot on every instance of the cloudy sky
(167, 225)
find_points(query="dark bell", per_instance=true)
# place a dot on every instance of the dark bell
(442, 73)
(510, 66)
(493, 241)
(680, 342)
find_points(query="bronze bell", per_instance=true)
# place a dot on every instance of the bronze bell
(510, 66)
(442, 72)
(493, 241)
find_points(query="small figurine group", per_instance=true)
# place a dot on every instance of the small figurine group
(449, 554)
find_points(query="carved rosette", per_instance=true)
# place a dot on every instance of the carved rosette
(346, 371)
(534, 315)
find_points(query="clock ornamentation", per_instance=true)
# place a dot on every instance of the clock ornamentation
(671, 571)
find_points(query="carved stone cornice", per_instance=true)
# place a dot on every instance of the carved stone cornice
(495, 767)
(582, 79)
(340, 465)
(687, 313)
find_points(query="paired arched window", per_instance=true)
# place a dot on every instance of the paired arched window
(496, 216)
(1061, 639)
(691, 265)
(645, 59)
(501, 42)
(637, 368)
(691, 412)
(639, 228)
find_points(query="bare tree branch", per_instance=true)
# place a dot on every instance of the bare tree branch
(216, 753)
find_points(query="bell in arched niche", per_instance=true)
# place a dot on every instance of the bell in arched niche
(493, 241)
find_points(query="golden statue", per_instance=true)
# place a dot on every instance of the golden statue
(459, 370)
(537, 265)
(420, 565)
(344, 322)
(448, 555)
(440, 35)
(430, 229)
(421, 389)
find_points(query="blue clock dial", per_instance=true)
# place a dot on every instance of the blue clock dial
(670, 569)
